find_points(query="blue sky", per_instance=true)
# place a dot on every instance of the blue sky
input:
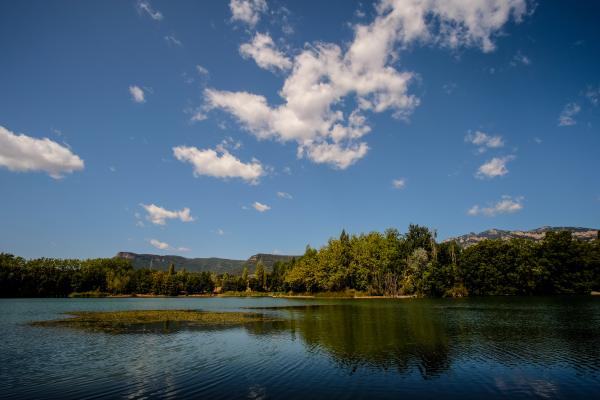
(231, 128)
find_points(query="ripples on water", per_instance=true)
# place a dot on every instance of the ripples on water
(493, 347)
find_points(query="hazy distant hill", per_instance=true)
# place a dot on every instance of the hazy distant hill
(534, 234)
(217, 265)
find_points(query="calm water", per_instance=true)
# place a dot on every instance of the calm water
(493, 347)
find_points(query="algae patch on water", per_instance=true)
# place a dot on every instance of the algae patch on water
(140, 321)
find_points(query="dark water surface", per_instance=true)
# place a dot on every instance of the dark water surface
(332, 349)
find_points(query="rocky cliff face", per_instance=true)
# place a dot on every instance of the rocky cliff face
(586, 234)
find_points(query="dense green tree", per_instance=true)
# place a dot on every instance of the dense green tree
(374, 263)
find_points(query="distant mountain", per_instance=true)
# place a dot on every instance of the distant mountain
(538, 234)
(216, 265)
(267, 259)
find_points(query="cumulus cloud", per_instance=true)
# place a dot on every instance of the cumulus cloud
(144, 6)
(330, 88)
(137, 94)
(221, 164)
(567, 116)
(337, 155)
(494, 167)
(158, 215)
(247, 11)
(260, 207)
(284, 195)
(399, 183)
(263, 51)
(484, 141)
(506, 205)
(22, 153)
(159, 245)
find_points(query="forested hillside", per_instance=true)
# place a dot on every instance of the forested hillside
(212, 264)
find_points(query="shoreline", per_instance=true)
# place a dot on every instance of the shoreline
(281, 296)
(273, 295)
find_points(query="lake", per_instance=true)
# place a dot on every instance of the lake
(317, 349)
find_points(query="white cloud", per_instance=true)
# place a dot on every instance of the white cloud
(260, 207)
(247, 11)
(165, 246)
(158, 215)
(22, 153)
(138, 220)
(520, 58)
(201, 70)
(566, 117)
(208, 162)
(284, 195)
(335, 154)
(506, 205)
(399, 183)
(324, 75)
(228, 143)
(197, 114)
(144, 6)
(137, 94)
(494, 167)
(263, 51)
(159, 245)
(173, 41)
(220, 232)
(112, 168)
(484, 141)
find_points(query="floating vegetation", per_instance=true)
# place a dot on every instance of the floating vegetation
(140, 321)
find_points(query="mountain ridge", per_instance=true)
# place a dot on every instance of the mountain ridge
(208, 264)
(537, 234)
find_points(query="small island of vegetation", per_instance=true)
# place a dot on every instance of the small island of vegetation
(140, 321)
(388, 264)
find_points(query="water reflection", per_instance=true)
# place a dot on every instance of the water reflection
(469, 348)
(386, 338)
(429, 336)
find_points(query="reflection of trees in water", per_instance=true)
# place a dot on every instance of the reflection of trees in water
(430, 335)
(377, 337)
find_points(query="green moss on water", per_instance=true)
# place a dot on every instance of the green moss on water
(138, 321)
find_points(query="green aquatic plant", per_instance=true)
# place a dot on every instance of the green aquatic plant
(139, 321)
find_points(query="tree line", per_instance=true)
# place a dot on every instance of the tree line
(377, 264)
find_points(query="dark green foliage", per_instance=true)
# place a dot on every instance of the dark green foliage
(47, 277)
(391, 264)
(388, 264)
